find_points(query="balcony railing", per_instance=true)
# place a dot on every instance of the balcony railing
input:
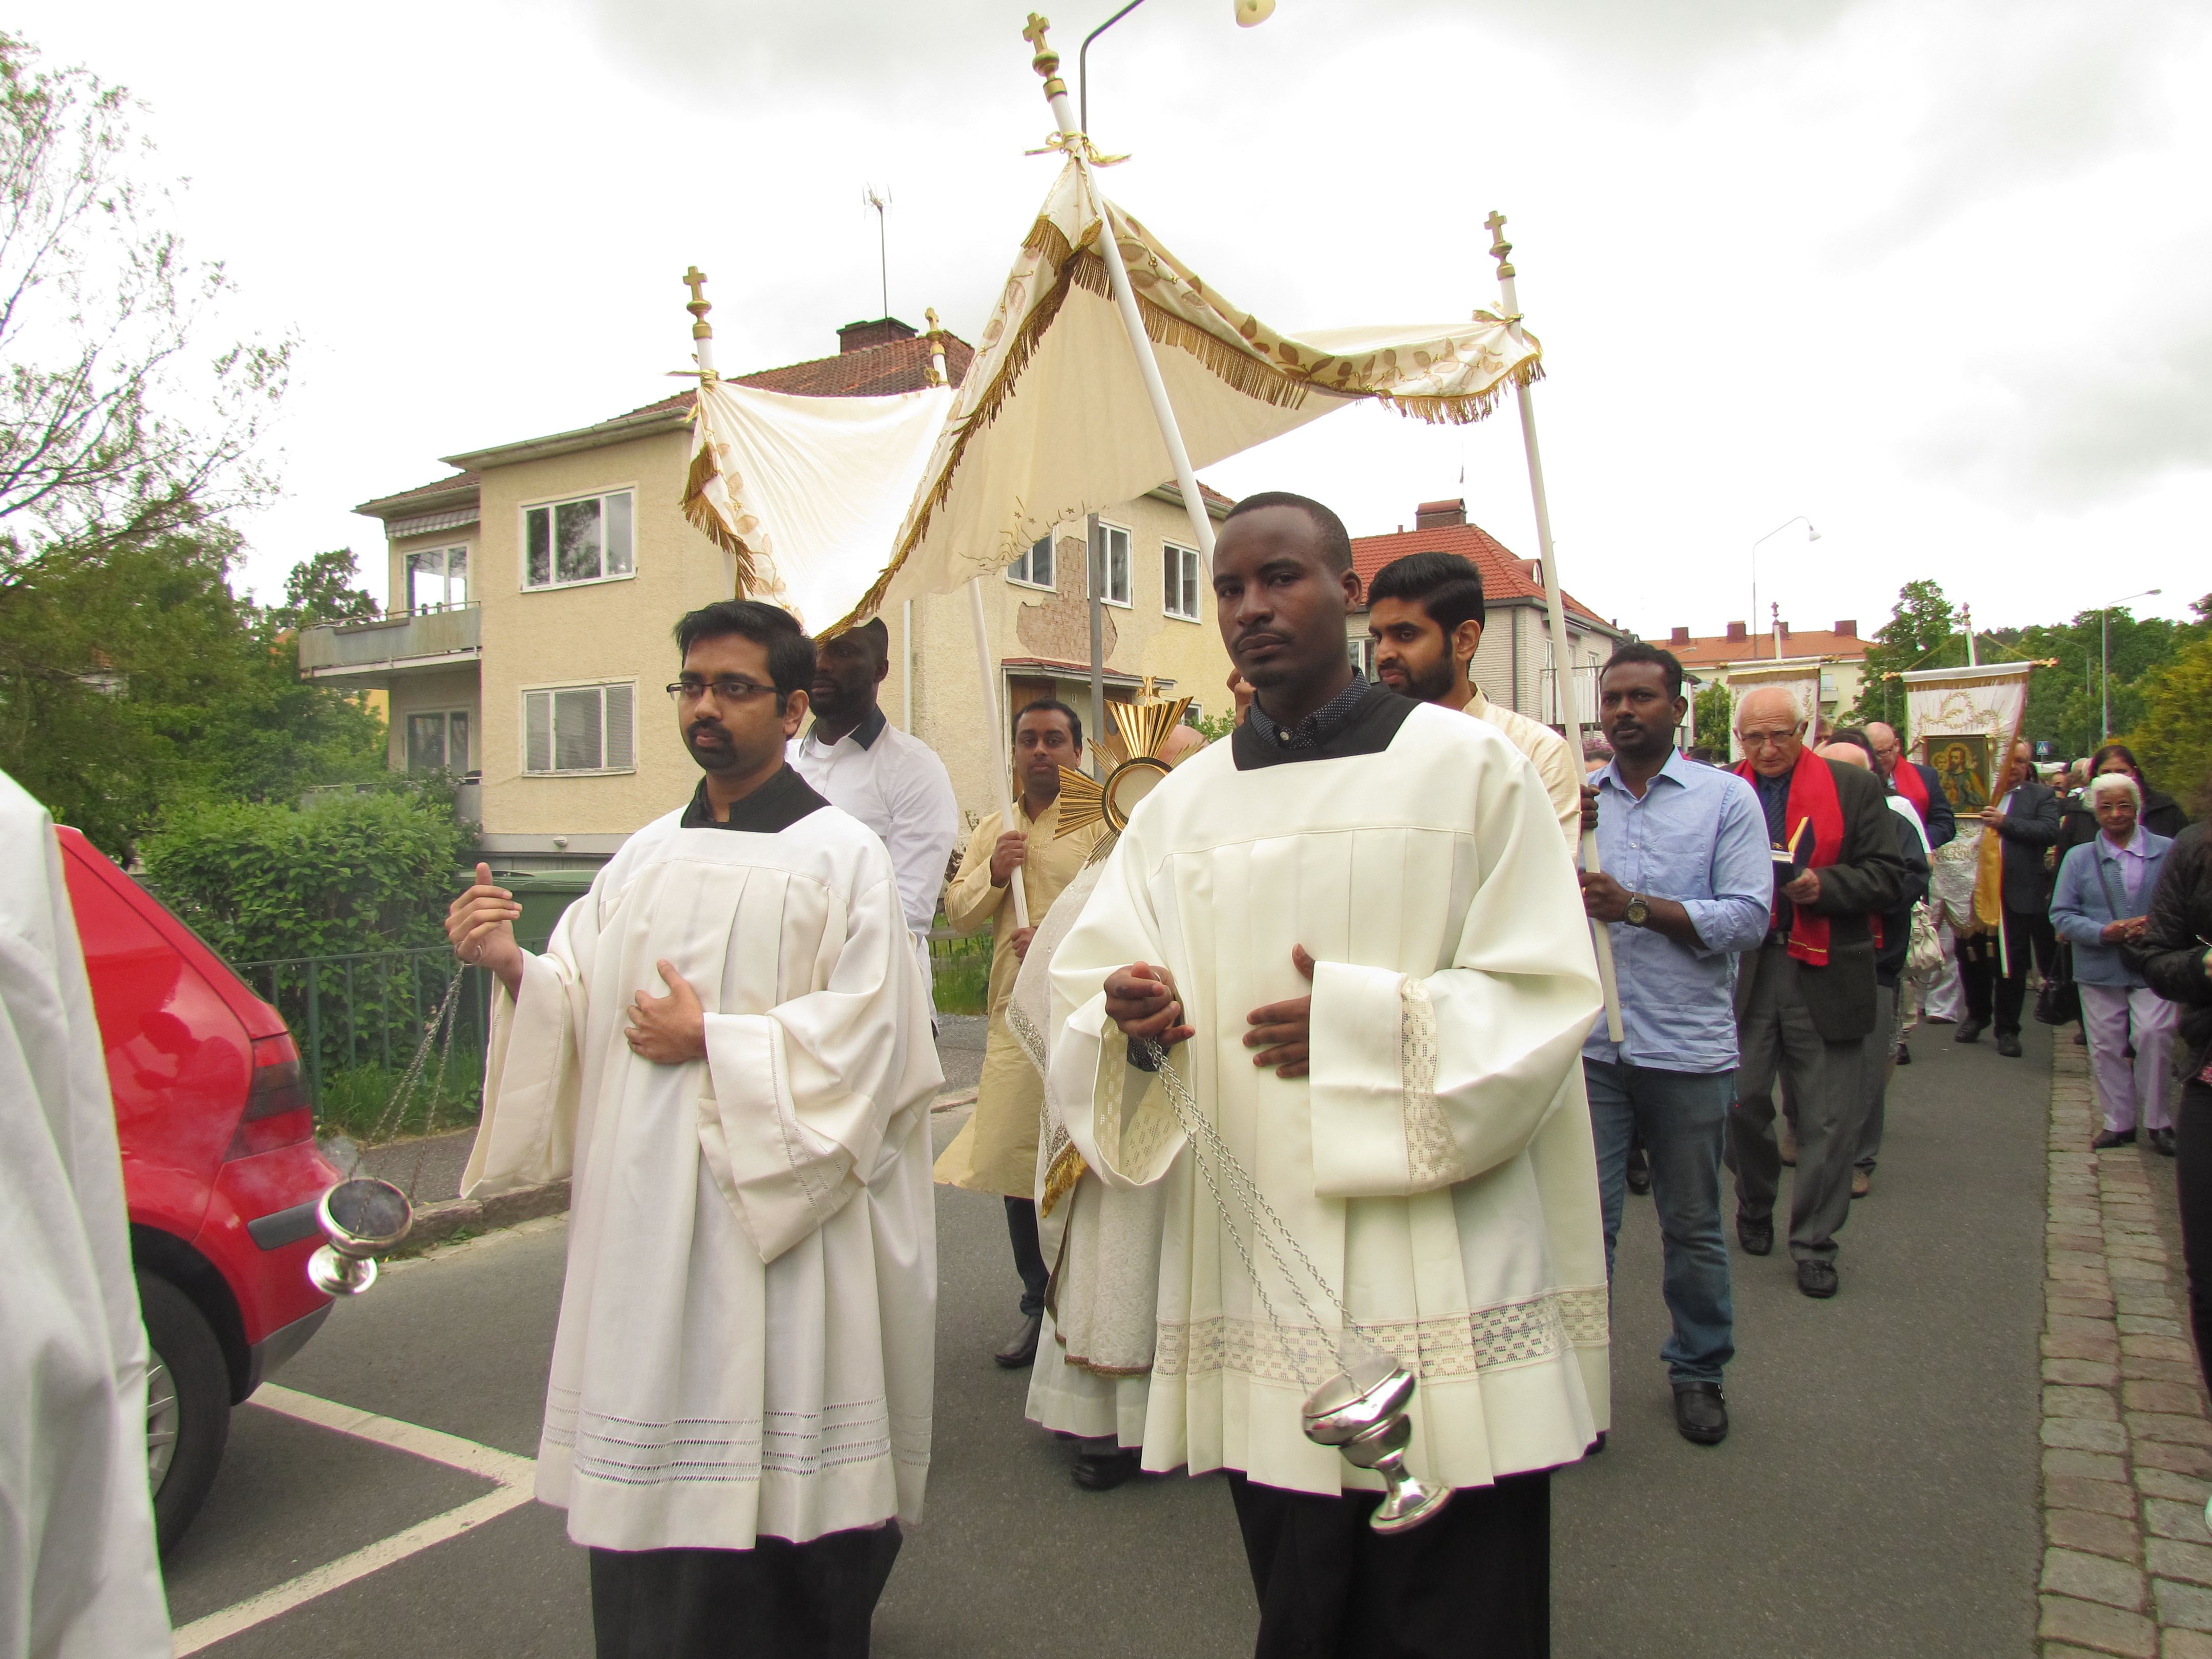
(407, 641)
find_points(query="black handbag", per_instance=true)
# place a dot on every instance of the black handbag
(2059, 1001)
(2132, 956)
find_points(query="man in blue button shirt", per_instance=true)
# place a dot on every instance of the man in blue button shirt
(1688, 882)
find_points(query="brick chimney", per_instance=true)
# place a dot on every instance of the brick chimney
(1849, 627)
(860, 336)
(1735, 634)
(1681, 637)
(1440, 515)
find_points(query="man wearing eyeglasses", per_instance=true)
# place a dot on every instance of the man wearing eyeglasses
(890, 779)
(725, 1048)
(1805, 1000)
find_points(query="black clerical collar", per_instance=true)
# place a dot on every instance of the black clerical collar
(774, 806)
(865, 733)
(1361, 720)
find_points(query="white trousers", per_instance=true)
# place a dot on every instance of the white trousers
(2114, 1017)
(1946, 995)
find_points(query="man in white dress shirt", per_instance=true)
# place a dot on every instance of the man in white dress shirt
(738, 1415)
(890, 779)
(1355, 928)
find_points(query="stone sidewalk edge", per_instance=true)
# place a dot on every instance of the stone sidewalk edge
(2127, 1439)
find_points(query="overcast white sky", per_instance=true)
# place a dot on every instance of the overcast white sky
(1933, 272)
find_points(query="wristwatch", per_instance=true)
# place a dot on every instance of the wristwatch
(1639, 911)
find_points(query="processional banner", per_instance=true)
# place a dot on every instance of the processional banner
(1964, 722)
(1053, 420)
(1802, 680)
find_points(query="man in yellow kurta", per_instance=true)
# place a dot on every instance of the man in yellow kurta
(997, 1151)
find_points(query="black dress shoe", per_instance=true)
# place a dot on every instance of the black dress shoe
(1700, 1412)
(2111, 1137)
(1639, 1171)
(1970, 1030)
(2009, 1044)
(2161, 1142)
(1022, 1350)
(1816, 1279)
(1757, 1237)
(1903, 1056)
(1103, 1471)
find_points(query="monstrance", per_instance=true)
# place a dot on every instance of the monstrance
(1144, 728)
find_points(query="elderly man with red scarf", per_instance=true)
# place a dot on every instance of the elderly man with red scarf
(1805, 1000)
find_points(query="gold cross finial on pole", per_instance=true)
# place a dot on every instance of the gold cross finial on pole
(1149, 691)
(935, 335)
(1046, 61)
(1499, 247)
(698, 305)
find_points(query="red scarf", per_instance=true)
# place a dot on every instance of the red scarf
(1908, 782)
(1812, 802)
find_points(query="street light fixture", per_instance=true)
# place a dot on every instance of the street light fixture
(2104, 661)
(1249, 15)
(1811, 535)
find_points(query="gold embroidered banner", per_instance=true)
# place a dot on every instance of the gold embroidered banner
(1963, 722)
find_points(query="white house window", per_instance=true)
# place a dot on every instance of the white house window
(586, 540)
(437, 578)
(1179, 582)
(1034, 567)
(579, 728)
(1114, 543)
(438, 742)
(1362, 653)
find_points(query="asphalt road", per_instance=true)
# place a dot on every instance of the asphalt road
(1876, 1498)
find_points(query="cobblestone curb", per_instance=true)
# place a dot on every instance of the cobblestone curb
(2127, 1439)
(435, 1223)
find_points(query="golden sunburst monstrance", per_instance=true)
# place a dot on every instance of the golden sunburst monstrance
(1144, 728)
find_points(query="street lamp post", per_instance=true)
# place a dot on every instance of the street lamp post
(2104, 661)
(1811, 535)
(1249, 14)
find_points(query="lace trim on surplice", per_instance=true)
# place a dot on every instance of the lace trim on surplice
(1432, 1159)
(1451, 1344)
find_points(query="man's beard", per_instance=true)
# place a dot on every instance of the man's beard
(714, 757)
(1431, 684)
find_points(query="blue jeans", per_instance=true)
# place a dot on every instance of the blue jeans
(1682, 1117)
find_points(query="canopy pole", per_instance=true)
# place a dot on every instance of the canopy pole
(1563, 686)
(1093, 561)
(1002, 790)
(1047, 63)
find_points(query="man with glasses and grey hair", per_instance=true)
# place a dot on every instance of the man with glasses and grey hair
(1805, 999)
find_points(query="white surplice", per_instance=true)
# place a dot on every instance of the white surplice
(746, 1343)
(1436, 1167)
(78, 1578)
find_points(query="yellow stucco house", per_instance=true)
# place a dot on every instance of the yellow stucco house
(533, 592)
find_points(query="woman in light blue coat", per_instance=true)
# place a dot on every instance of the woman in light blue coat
(2105, 888)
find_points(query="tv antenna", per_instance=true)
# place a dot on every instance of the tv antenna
(880, 200)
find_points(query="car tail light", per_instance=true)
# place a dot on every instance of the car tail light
(277, 1110)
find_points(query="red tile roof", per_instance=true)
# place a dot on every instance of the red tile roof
(872, 371)
(394, 506)
(1504, 576)
(1710, 650)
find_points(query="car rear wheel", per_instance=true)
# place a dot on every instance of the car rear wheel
(187, 1406)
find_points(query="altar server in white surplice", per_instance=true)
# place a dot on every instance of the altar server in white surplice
(726, 1045)
(78, 1578)
(1356, 926)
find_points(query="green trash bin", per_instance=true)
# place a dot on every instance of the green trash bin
(543, 895)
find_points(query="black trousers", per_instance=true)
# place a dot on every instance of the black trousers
(2192, 1175)
(1990, 992)
(1028, 1253)
(1472, 1582)
(776, 1600)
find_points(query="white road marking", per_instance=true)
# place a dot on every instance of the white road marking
(515, 1476)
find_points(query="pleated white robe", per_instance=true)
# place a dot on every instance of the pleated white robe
(78, 1578)
(1436, 1166)
(746, 1342)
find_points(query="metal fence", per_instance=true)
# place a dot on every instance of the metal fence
(372, 1007)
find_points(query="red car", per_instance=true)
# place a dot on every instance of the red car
(220, 1170)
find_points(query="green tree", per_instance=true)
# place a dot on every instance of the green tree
(1922, 632)
(139, 679)
(2065, 703)
(1713, 710)
(321, 589)
(2172, 736)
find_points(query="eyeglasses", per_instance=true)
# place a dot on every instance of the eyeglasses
(1767, 739)
(691, 688)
